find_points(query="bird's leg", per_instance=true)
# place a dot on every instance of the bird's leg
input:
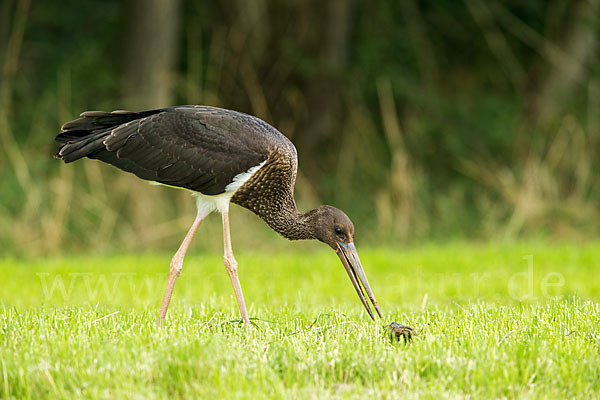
(231, 266)
(177, 266)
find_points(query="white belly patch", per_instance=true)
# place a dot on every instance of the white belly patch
(206, 204)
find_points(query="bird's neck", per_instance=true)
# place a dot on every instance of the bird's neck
(292, 224)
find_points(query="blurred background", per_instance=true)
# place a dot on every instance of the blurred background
(423, 120)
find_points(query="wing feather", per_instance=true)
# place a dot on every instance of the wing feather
(201, 151)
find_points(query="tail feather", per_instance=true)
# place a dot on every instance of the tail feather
(84, 147)
(84, 137)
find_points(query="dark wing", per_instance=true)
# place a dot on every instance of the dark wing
(201, 149)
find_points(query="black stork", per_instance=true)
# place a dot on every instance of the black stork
(223, 157)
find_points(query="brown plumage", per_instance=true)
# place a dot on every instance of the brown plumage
(223, 156)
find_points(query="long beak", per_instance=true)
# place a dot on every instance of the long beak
(347, 253)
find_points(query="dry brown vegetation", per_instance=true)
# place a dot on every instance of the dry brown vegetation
(422, 120)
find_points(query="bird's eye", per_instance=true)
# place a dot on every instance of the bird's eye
(339, 232)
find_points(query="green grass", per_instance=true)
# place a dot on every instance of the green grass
(491, 323)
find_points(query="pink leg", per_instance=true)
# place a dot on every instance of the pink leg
(176, 267)
(232, 267)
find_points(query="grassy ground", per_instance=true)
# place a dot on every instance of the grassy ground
(503, 321)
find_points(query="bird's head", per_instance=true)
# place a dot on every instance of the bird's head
(333, 227)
